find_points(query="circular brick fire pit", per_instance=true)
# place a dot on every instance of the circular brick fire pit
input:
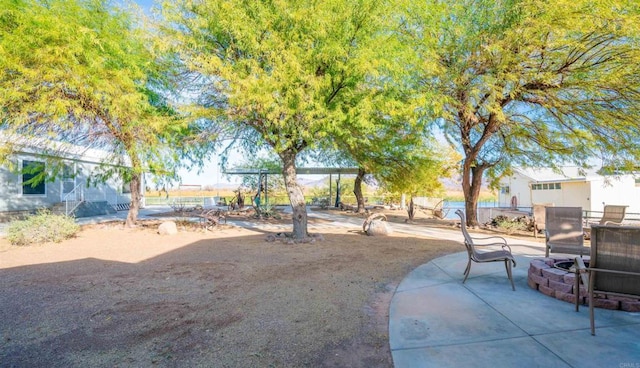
(559, 283)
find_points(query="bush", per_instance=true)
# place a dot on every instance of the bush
(510, 226)
(41, 228)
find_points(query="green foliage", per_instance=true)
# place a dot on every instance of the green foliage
(85, 71)
(288, 74)
(290, 70)
(268, 211)
(41, 228)
(82, 70)
(510, 226)
(529, 82)
(250, 182)
(420, 171)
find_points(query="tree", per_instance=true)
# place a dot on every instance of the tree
(389, 139)
(290, 71)
(526, 82)
(419, 173)
(82, 71)
(398, 155)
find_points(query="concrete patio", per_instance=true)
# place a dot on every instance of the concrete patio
(436, 321)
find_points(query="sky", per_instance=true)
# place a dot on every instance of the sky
(145, 4)
(211, 174)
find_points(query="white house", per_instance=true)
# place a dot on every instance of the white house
(571, 186)
(70, 188)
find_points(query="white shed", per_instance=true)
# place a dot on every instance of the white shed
(571, 186)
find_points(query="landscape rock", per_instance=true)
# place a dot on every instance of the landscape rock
(168, 228)
(378, 228)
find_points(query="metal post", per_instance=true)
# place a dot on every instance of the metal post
(338, 191)
(330, 183)
(266, 198)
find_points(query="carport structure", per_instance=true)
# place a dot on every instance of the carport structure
(263, 175)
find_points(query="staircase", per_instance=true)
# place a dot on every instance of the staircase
(59, 208)
(74, 199)
(121, 206)
(89, 209)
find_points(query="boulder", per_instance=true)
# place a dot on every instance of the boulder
(378, 228)
(168, 228)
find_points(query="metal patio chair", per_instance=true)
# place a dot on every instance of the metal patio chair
(503, 255)
(539, 219)
(614, 267)
(564, 232)
(612, 215)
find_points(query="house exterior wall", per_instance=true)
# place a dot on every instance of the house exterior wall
(570, 194)
(13, 198)
(620, 190)
(518, 186)
(573, 194)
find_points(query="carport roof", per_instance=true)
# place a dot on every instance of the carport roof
(299, 171)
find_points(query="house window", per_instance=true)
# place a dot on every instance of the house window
(67, 171)
(546, 186)
(68, 178)
(33, 178)
(504, 189)
(637, 182)
(126, 188)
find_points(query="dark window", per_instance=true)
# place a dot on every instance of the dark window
(126, 187)
(67, 171)
(33, 177)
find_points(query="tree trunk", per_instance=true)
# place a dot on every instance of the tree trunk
(132, 216)
(357, 190)
(296, 197)
(471, 185)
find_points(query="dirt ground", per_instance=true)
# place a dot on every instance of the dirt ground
(116, 297)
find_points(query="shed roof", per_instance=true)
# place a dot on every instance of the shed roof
(563, 174)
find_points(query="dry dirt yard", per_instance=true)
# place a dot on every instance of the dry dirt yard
(116, 297)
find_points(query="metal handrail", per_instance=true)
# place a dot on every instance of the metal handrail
(74, 198)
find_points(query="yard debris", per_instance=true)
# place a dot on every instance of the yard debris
(287, 238)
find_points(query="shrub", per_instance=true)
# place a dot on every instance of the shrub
(41, 228)
(511, 226)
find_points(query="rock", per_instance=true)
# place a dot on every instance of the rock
(375, 216)
(378, 228)
(168, 228)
